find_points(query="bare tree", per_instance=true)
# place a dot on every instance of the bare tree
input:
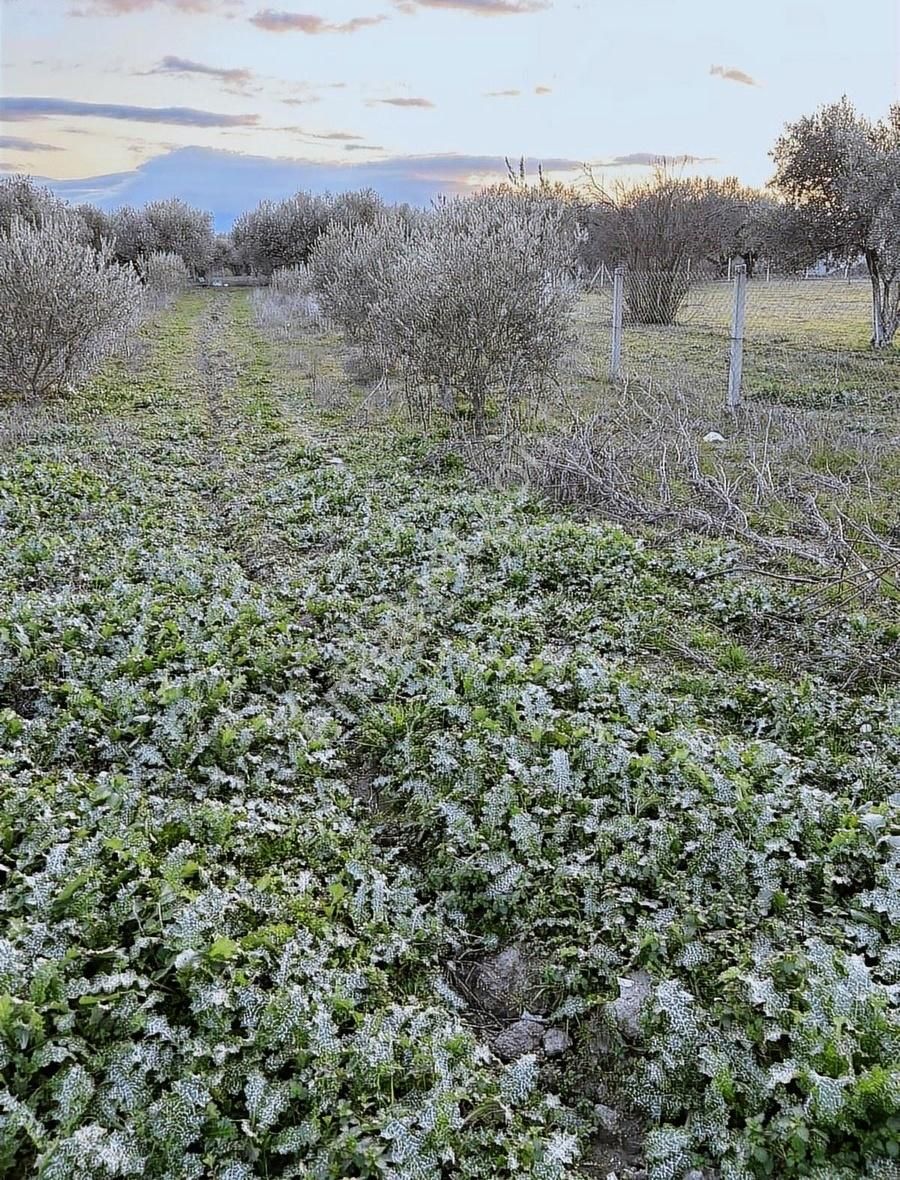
(656, 229)
(840, 176)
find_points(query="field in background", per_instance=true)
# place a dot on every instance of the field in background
(808, 468)
(806, 343)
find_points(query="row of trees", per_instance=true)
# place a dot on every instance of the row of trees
(274, 234)
(835, 196)
(427, 275)
(130, 235)
(70, 294)
(283, 233)
(838, 174)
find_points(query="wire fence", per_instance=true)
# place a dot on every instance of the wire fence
(765, 337)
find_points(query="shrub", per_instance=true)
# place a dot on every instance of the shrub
(21, 199)
(64, 307)
(354, 271)
(286, 301)
(289, 281)
(164, 274)
(483, 302)
(281, 233)
(470, 304)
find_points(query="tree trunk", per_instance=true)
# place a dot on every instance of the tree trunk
(885, 303)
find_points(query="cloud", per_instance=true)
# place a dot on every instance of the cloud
(235, 79)
(125, 7)
(477, 7)
(300, 22)
(652, 159)
(543, 90)
(502, 93)
(341, 136)
(16, 143)
(22, 109)
(230, 182)
(420, 103)
(731, 74)
(363, 147)
(305, 92)
(641, 159)
(328, 136)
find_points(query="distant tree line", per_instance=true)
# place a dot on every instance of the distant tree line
(834, 196)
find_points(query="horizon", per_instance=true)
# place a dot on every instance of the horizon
(226, 102)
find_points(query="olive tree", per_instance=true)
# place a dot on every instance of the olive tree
(362, 207)
(280, 233)
(131, 234)
(734, 222)
(98, 225)
(23, 200)
(352, 270)
(482, 304)
(226, 256)
(63, 307)
(164, 276)
(165, 227)
(177, 228)
(471, 304)
(839, 174)
(569, 209)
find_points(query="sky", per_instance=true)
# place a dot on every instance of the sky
(227, 102)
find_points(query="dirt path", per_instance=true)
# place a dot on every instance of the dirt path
(243, 434)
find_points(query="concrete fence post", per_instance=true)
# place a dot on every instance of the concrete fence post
(618, 308)
(739, 311)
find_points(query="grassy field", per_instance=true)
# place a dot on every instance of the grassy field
(361, 820)
(807, 468)
(806, 343)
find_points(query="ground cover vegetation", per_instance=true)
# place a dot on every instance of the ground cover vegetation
(362, 812)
